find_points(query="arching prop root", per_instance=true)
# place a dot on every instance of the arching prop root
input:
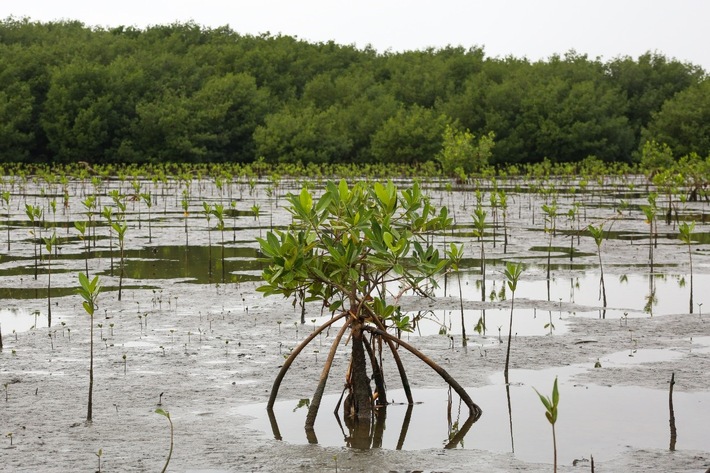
(474, 410)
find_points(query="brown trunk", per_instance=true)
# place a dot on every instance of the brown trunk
(361, 393)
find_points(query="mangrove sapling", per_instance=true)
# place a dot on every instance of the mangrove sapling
(148, 199)
(512, 274)
(166, 414)
(207, 212)
(494, 211)
(598, 234)
(120, 228)
(107, 213)
(185, 203)
(34, 213)
(551, 414)
(455, 254)
(218, 212)
(572, 217)
(650, 212)
(550, 212)
(479, 227)
(89, 205)
(81, 228)
(50, 243)
(351, 245)
(233, 206)
(686, 236)
(6, 202)
(136, 198)
(503, 199)
(89, 291)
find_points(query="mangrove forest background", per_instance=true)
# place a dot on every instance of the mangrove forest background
(186, 93)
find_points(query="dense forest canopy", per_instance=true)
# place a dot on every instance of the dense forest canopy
(186, 93)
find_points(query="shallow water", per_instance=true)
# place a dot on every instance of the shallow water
(602, 421)
(637, 294)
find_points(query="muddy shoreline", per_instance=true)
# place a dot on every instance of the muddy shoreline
(212, 349)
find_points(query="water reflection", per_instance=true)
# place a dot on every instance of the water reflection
(602, 420)
(365, 435)
(638, 294)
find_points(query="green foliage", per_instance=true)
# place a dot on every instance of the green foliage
(351, 242)
(512, 272)
(550, 403)
(166, 414)
(597, 233)
(461, 155)
(70, 92)
(685, 230)
(89, 291)
(682, 121)
(655, 156)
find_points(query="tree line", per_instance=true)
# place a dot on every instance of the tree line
(187, 93)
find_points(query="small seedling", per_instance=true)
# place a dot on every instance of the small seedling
(125, 364)
(89, 291)
(551, 414)
(9, 434)
(550, 325)
(170, 453)
(160, 399)
(98, 455)
(5, 385)
(162, 348)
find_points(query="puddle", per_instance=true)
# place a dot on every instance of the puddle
(174, 262)
(596, 420)
(634, 357)
(699, 345)
(20, 320)
(639, 294)
(526, 322)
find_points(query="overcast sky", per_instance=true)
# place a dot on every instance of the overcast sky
(534, 29)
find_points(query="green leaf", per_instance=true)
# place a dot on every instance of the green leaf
(306, 200)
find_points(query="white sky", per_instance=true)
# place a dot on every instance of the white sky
(534, 29)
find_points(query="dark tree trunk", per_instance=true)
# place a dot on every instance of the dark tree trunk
(360, 397)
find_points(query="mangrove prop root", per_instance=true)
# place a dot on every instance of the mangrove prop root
(397, 360)
(318, 395)
(376, 374)
(287, 364)
(474, 410)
